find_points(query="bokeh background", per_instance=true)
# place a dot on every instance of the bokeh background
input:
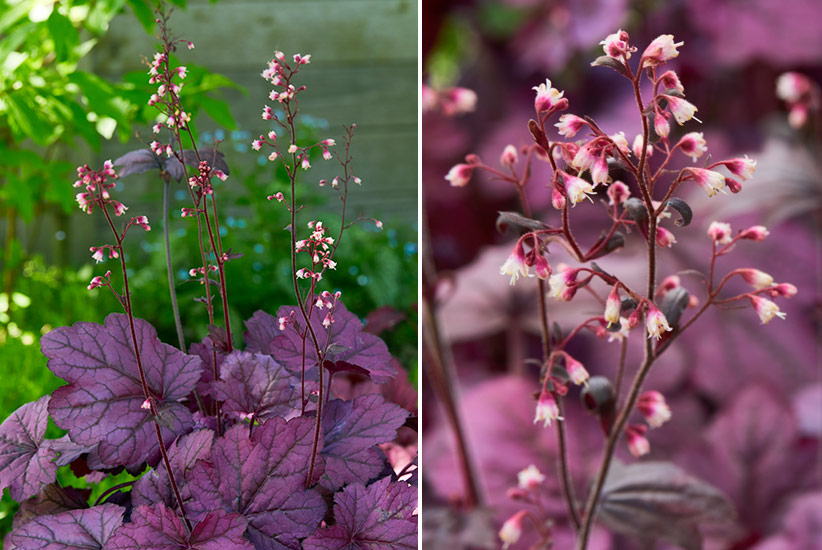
(73, 90)
(746, 399)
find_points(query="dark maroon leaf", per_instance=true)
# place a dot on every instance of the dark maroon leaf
(684, 210)
(674, 304)
(263, 479)
(539, 136)
(377, 517)
(352, 430)
(75, 530)
(383, 318)
(102, 402)
(519, 221)
(183, 454)
(255, 384)
(344, 366)
(636, 210)
(214, 158)
(659, 501)
(52, 500)
(139, 161)
(26, 465)
(615, 64)
(159, 528)
(68, 449)
(801, 526)
(350, 343)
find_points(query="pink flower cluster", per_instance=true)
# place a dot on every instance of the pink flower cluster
(97, 185)
(318, 246)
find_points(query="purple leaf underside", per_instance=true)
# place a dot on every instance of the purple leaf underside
(102, 402)
(347, 337)
(26, 465)
(263, 479)
(377, 517)
(157, 527)
(254, 384)
(352, 429)
(87, 529)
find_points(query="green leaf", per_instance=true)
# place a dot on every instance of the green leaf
(26, 118)
(63, 33)
(20, 195)
(101, 97)
(144, 12)
(219, 111)
(81, 123)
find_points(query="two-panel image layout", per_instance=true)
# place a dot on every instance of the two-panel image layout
(391, 274)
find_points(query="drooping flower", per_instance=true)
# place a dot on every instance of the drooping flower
(682, 109)
(653, 407)
(755, 278)
(599, 171)
(509, 156)
(660, 50)
(709, 180)
(783, 289)
(616, 45)
(664, 237)
(569, 125)
(561, 283)
(617, 193)
(530, 477)
(741, 168)
(576, 371)
(512, 529)
(655, 322)
(577, 188)
(670, 81)
(515, 265)
(460, 175)
(613, 306)
(661, 126)
(765, 308)
(755, 233)
(547, 409)
(693, 144)
(547, 97)
(542, 267)
(720, 232)
(637, 443)
(636, 146)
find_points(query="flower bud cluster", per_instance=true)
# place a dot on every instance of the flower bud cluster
(98, 185)
(318, 246)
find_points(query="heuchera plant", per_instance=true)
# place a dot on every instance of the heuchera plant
(651, 500)
(244, 448)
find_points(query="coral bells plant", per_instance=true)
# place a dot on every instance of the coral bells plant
(231, 448)
(636, 190)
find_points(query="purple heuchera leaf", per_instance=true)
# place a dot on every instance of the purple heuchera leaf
(347, 338)
(52, 500)
(204, 351)
(183, 454)
(352, 429)
(68, 449)
(159, 528)
(75, 530)
(102, 402)
(26, 465)
(253, 385)
(263, 479)
(377, 517)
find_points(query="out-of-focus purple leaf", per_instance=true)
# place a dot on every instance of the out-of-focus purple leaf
(159, 528)
(377, 517)
(352, 430)
(253, 383)
(183, 454)
(87, 529)
(383, 318)
(801, 526)
(444, 528)
(659, 501)
(344, 366)
(102, 402)
(807, 407)
(263, 479)
(506, 219)
(347, 342)
(674, 304)
(26, 465)
(52, 500)
(214, 158)
(139, 161)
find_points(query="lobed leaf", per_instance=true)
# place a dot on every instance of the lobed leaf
(26, 465)
(102, 402)
(262, 478)
(52, 500)
(352, 429)
(344, 340)
(88, 529)
(255, 384)
(377, 517)
(157, 527)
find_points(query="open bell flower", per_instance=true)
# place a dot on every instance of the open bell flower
(660, 50)
(655, 322)
(515, 265)
(460, 174)
(512, 529)
(547, 97)
(652, 406)
(637, 443)
(547, 409)
(766, 309)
